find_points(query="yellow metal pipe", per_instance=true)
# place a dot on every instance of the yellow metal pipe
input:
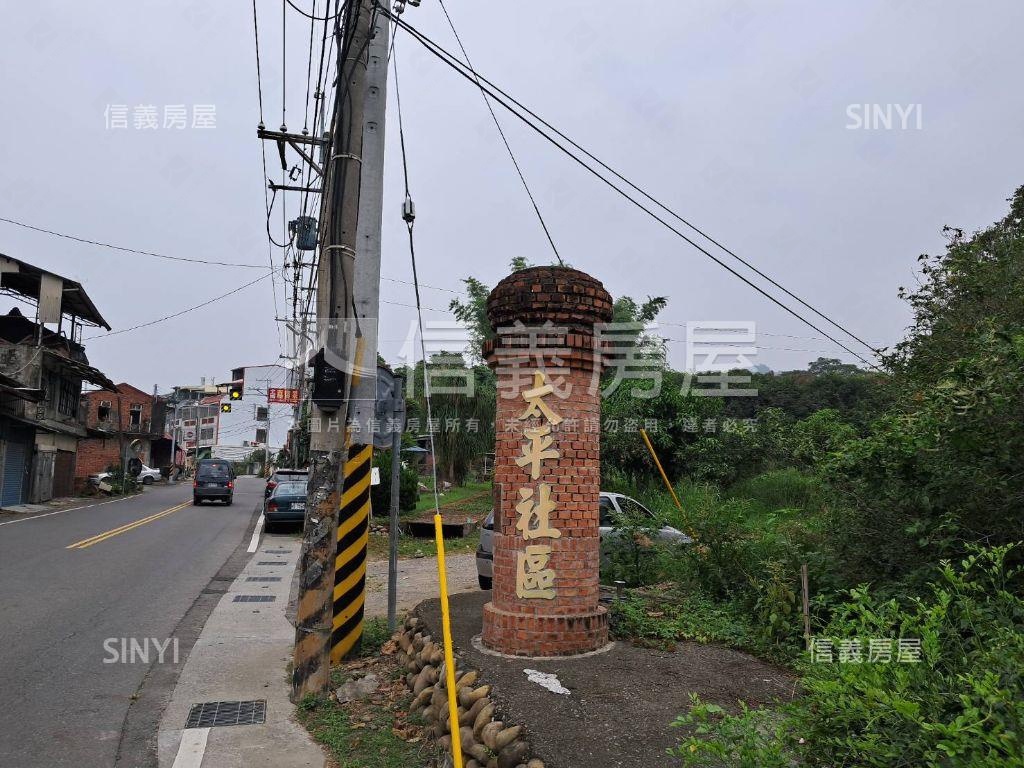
(647, 440)
(449, 658)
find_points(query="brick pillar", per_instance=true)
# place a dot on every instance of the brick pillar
(546, 538)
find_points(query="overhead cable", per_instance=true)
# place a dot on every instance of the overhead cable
(125, 249)
(449, 59)
(504, 140)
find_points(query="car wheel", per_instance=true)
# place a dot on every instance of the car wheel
(228, 502)
(147, 480)
(485, 581)
(195, 501)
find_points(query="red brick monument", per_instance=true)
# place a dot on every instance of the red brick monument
(547, 468)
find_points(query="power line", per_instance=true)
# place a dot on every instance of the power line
(129, 250)
(182, 312)
(455, 64)
(661, 205)
(312, 16)
(284, 66)
(413, 306)
(410, 219)
(259, 76)
(501, 132)
(424, 285)
(266, 178)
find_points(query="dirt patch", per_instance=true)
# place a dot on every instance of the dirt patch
(417, 581)
(620, 703)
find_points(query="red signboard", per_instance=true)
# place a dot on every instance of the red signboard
(283, 395)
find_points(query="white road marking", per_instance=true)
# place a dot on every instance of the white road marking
(69, 509)
(192, 748)
(254, 542)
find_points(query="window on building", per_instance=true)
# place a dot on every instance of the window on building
(69, 393)
(135, 415)
(261, 436)
(262, 413)
(206, 433)
(103, 411)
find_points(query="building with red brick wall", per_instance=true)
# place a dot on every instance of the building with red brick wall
(129, 417)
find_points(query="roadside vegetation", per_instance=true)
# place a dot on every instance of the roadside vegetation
(375, 731)
(898, 489)
(901, 493)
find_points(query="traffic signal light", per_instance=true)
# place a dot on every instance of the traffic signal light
(225, 407)
(235, 392)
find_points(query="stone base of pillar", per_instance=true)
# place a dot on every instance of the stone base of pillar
(526, 634)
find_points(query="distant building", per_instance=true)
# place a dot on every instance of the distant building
(194, 432)
(41, 375)
(129, 420)
(254, 422)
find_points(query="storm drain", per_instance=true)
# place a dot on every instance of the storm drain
(254, 599)
(214, 714)
(263, 578)
(271, 562)
(277, 551)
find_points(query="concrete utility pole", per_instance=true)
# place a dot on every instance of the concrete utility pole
(398, 414)
(354, 516)
(311, 674)
(174, 440)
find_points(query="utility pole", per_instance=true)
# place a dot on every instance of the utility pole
(354, 515)
(398, 414)
(174, 440)
(338, 241)
(120, 447)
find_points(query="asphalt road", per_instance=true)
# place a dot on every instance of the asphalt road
(72, 585)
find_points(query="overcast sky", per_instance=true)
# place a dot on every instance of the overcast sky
(736, 113)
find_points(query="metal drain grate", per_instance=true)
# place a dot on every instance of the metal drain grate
(277, 551)
(263, 578)
(254, 599)
(271, 562)
(214, 714)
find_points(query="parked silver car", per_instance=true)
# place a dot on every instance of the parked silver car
(147, 476)
(611, 503)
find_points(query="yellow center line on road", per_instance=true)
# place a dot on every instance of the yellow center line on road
(84, 543)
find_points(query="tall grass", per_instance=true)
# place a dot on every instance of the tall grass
(780, 489)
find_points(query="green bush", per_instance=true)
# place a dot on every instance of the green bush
(408, 486)
(632, 552)
(960, 706)
(781, 489)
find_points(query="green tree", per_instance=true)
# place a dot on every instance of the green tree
(463, 402)
(941, 469)
(831, 365)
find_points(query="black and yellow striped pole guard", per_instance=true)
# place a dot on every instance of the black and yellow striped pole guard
(350, 554)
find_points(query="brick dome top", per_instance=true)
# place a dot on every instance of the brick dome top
(567, 297)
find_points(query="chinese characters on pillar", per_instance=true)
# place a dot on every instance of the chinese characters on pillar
(534, 579)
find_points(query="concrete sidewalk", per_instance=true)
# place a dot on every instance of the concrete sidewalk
(242, 655)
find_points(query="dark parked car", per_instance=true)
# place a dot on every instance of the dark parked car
(284, 476)
(287, 503)
(214, 481)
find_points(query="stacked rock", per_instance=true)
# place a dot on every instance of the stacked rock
(486, 741)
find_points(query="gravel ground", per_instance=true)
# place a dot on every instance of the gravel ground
(621, 702)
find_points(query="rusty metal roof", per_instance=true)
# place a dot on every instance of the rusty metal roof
(26, 279)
